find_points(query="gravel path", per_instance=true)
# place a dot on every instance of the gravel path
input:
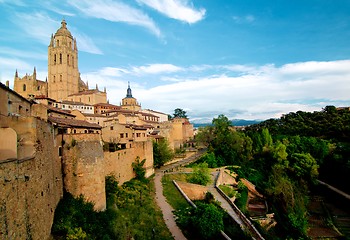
(166, 208)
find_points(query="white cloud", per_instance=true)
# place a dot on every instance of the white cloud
(115, 11)
(156, 69)
(13, 2)
(112, 71)
(258, 92)
(13, 63)
(86, 44)
(22, 54)
(40, 26)
(37, 25)
(177, 9)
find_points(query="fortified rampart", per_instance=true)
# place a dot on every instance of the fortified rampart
(41, 161)
(119, 163)
(31, 183)
(83, 167)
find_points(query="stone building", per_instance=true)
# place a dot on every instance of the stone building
(64, 80)
(29, 86)
(129, 102)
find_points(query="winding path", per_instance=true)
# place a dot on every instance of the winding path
(167, 210)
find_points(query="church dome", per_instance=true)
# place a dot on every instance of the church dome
(63, 31)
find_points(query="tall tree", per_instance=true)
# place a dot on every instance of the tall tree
(162, 153)
(179, 113)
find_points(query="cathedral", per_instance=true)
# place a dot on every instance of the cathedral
(63, 81)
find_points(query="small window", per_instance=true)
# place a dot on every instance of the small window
(24, 87)
(58, 43)
(111, 127)
(54, 59)
(54, 78)
(60, 78)
(60, 151)
(122, 135)
(38, 88)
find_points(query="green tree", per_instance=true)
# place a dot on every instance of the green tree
(179, 113)
(208, 219)
(138, 168)
(201, 174)
(162, 153)
(305, 166)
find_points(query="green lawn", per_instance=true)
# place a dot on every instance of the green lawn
(172, 194)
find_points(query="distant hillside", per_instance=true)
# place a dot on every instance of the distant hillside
(235, 122)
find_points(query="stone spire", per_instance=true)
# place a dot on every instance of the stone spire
(51, 42)
(128, 92)
(96, 87)
(34, 74)
(87, 85)
(16, 74)
(104, 89)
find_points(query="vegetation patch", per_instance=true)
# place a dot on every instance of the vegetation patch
(229, 191)
(132, 213)
(172, 194)
(200, 175)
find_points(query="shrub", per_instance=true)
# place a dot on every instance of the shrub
(201, 174)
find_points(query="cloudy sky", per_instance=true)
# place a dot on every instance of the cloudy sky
(247, 59)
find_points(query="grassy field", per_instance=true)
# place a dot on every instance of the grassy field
(173, 196)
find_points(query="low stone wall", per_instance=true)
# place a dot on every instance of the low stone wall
(246, 221)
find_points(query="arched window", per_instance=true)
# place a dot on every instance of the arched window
(57, 43)
(54, 59)
(60, 58)
(38, 88)
(61, 78)
(24, 87)
(68, 59)
(73, 61)
(54, 78)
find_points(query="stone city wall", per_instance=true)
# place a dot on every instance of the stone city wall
(119, 163)
(31, 186)
(83, 166)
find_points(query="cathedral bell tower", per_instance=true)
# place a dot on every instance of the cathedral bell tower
(63, 72)
(129, 102)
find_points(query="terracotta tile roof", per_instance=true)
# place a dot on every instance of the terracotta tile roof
(148, 114)
(44, 97)
(75, 103)
(86, 92)
(106, 105)
(57, 110)
(93, 115)
(136, 127)
(155, 111)
(73, 123)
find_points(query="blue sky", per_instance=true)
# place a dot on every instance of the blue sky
(248, 59)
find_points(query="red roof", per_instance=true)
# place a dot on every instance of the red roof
(73, 123)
